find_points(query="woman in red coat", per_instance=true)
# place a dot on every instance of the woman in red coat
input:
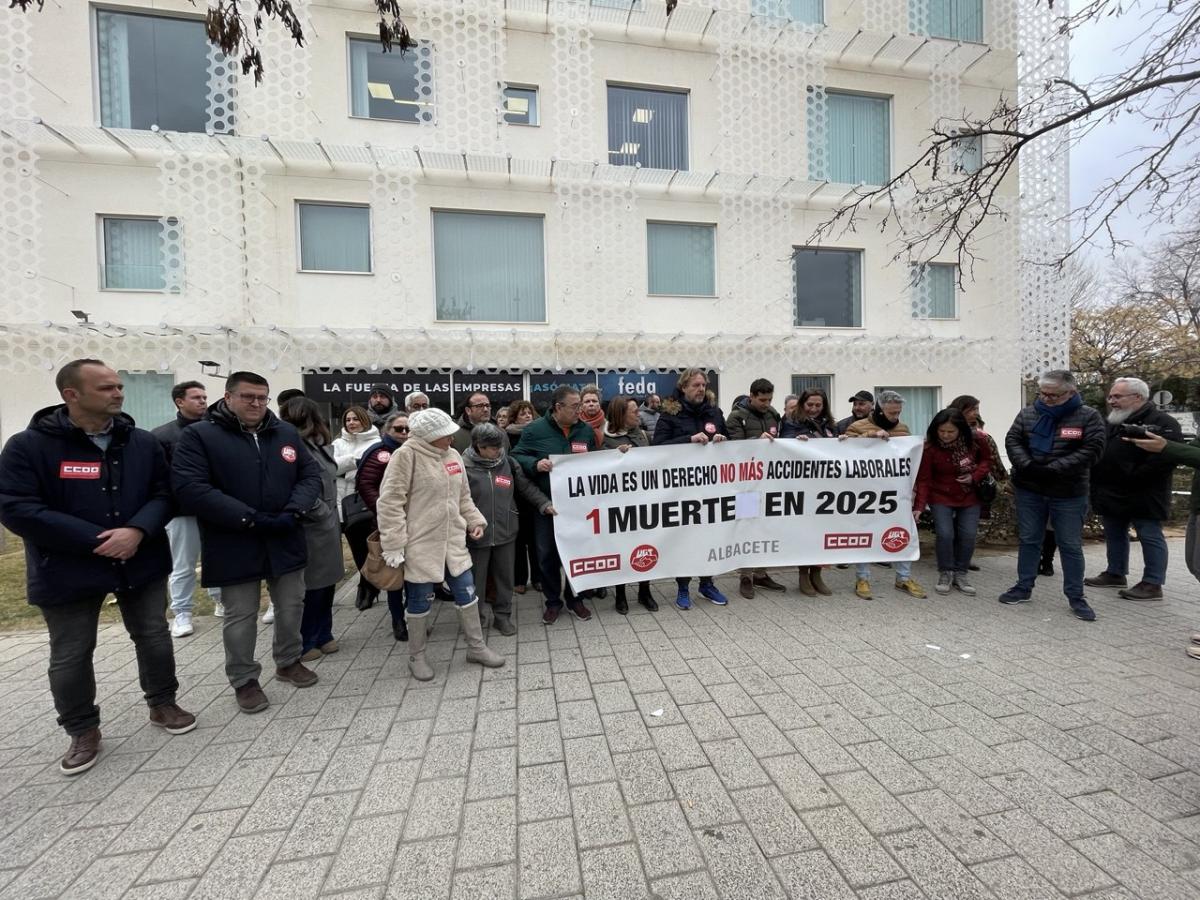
(954, 462)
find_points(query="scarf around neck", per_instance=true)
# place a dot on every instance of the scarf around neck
(477, 460)
(880, 419)
(1041, 438)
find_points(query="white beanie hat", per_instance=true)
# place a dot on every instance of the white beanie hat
(431, 424)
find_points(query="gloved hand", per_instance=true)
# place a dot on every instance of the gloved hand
(275, 522)
(395, 560)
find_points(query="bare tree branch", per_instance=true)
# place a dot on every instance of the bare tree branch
(941, 208)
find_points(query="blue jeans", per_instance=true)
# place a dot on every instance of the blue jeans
(184, 536)
(1066, 514)
(1154, 547)
(316, 623)
(902, 568)
(419, 596)
(956, 527)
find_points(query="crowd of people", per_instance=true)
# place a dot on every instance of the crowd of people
(464, 507)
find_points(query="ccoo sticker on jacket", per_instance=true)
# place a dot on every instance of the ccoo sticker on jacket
(288, 452)
(503, 481)
(86, 470)
(453, 468)
(1070, 434)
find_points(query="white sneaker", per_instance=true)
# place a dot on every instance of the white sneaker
(182, 626)
(218, 609)
(269, 615)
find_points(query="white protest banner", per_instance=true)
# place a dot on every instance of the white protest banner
(690, 510)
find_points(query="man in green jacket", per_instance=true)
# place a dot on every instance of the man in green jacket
(1184, 455)
(558, 431)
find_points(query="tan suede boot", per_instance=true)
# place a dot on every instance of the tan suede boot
(477, 650)
(418, 634)
(806, 585)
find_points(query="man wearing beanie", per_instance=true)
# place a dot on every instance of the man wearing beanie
(425, 515)
(380, 404)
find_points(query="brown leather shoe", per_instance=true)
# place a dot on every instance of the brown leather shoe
(172, 718)
(250, 697)
(1142, 591)
(766, 581)
(298, 674)
(1104, 579)
(746, 587)
(550, 615)
(82, 754)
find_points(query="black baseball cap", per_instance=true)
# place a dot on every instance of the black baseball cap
(863, 395)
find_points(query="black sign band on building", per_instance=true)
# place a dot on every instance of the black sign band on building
(350, 388)
(543, 384)
(502, 388)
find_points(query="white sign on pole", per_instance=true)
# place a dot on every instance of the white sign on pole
(690, 510)
(1162, 398)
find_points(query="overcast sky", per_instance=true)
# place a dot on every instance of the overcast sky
(1099, 48)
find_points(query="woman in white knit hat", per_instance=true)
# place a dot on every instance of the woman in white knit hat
(425, 514)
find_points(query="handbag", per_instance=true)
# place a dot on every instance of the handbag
(986, 489)
(355, 511)
(378, 572)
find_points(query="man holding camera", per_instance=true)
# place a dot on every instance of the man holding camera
(1133, 487)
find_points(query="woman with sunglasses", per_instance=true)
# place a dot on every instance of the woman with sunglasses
(370, 475)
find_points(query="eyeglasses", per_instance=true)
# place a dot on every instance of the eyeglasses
(1053, 395)
(254, 399)
(417, 406)
(478, 405)
(400, 429)
(571, 406)
(1119, 396)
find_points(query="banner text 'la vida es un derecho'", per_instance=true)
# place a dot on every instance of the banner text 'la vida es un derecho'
(690, 510)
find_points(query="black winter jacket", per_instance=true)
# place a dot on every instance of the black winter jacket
(223, 475)
(168, 434)
(809, 428)
(678, 420)
(371, 466)
(1078, 443)
(58, 491)
(1128, 481)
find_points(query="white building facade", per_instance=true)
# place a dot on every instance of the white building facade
(543, 191)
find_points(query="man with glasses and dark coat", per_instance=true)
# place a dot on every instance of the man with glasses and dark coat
(248, 478)
(1053, 445)
(476, 411)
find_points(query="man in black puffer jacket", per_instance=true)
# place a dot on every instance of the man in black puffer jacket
(691, 416)
(1133, 487)
(1052, 446)
(248, 478)
(88, 493)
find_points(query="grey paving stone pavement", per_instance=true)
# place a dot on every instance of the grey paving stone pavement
(784, 746)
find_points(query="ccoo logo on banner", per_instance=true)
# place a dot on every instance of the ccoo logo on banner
(662, 512)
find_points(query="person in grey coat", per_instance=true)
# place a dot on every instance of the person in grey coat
(322, 533)
(495, 483)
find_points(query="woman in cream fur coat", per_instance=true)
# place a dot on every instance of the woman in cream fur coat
(425, 513)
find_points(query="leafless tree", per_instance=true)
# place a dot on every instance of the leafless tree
(945, 207)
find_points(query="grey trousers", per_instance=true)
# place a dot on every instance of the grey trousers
(241, 624)
(1191, 545)
(499, 562)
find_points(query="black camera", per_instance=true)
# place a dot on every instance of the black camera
(1139, 431)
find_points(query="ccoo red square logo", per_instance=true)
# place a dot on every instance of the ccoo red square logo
(86, 470)
(848, 541)
(593, 565)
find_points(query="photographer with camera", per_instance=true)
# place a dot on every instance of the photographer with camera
(1133, 487)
